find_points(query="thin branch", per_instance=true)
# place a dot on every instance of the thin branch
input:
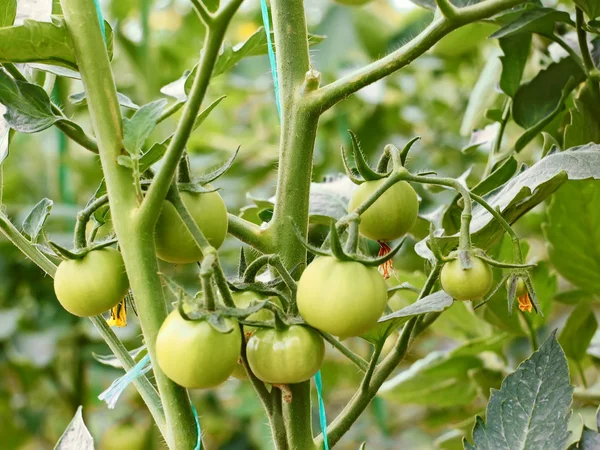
(82, 219)
(588, 61)
(447, 8)
(357, 360)
(324, 98)
(205, 15)
(157, 192)
(249, 233)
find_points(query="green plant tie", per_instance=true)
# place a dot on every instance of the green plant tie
(100, 19)
(198, 430)
(322, 416)
(265, 17)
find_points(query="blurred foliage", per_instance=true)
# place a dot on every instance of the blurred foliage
(46, 362)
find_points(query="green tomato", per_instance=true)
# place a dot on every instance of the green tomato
(343, 298)
(286, 356)
(464, 40)
(174, 243)
(521, 287)
(469, 284)
(93, 284)
(195, 355)
(124, 437)
(392, 214)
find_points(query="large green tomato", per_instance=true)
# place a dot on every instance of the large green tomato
(93, 284)
(195, 355)
(392, 214)
(469, 284)
(286, 356)
(343, 298)
(124, 437)
(174, 243)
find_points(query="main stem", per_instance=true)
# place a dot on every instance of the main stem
(137, 244)
(298, 133)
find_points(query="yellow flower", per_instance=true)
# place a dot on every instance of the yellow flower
(118, 315)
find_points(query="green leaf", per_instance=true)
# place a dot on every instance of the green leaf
(137, 129)
(573, 233)
(125, 161)
(8, 12)
(80, 99)
(516, 52)
(584, 126)
(545, 285)
(539, 20)
(522, 193)
(330, 199)
(34, 222)
(590, 7)
(578, 331)
(436, 302)
(590, 439)
(532, 408)
(157, 151)
(76, 436)
(538, 99)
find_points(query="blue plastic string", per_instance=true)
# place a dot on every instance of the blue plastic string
(198, 430)
(265, 17)
(322, 416)
(114, 391)
(100, 19)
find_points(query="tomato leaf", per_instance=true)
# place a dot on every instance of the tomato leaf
(590, 7)
(8, 12)
(137, 129)
(584, 125)
(76, 436)
(35, 220)
(80, 99)
(438, 301)
(578, 331)
(516, 52)
(216, 173)
(532, 408)
(539, 20)
(573, 234)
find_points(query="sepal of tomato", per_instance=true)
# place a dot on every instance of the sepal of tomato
(286, 356)
(174, 243)
(93, 284)
(195, 355)
(343, 298)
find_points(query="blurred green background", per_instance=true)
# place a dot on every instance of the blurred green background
(46, 364)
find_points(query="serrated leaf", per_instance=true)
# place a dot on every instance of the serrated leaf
(532, 408)
(216, 173)
(157, 151)
(176, 89)
(573, 233)
(537, 99)
(34, 222)
(516, 52)
(578, 331)
(590, 7)
(539, 20)
(76, 436)
(80, 99)
(8, 12)
(137, 129)
(113, 361)
(438, 301)
(523, 192)
(28, 107)
(584, 124)
(330, 199)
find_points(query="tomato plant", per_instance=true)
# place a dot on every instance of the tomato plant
(287, 356)
(342, 298)
(194, 354)
(93, 284)
(476, 147)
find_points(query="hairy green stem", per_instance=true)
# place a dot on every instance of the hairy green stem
(588, 61)
(357, 360)
(82, 219)
(135, 238)
(250, 234)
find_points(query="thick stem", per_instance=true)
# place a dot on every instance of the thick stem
(136, 241)
(298, 417)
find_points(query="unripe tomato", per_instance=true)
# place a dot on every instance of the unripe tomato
(195, 355)
(286, 356)
(521, 287)
(124, 437)
(469, 284)
(93, 284)
(392, 214)
(174, 243)
(343, 298)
